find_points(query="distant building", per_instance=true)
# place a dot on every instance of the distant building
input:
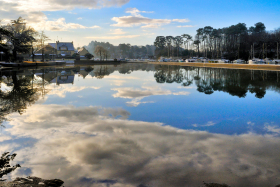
(63, 48)
(82, 52)
(48, 50)
(64, 77)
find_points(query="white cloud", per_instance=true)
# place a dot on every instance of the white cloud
(117, 31)
(79, 18)
(53, 5)
(136, 19)
(95, 27)
(153, 26)
(58, 25)
(135, 11)
(130, 21)
(181, 20)
(32, 11)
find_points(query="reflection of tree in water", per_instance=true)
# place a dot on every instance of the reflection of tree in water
(88, 69)
(6, 168)
(235, 82)
(101, 72)
(259, 92)
(169, 74)
(178, 77)
(160, 76)
(188, 81)
(18, 98)
(204, 87)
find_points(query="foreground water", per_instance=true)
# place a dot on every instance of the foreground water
(143, 125)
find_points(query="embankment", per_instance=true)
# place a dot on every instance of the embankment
(268, 67)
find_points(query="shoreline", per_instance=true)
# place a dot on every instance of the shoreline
(224, 66)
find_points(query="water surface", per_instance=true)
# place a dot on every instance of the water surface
(143, 125)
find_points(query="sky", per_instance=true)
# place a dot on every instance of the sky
(134, 21)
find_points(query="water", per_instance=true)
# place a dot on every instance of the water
(143, 125)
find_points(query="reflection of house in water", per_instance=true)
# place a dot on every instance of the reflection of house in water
(84, 71)
(92, 74)
(47, 76)
(64, 77)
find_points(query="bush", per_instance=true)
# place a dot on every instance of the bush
(89, 56)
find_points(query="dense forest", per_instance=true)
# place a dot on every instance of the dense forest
(233, 42)
(122, 50)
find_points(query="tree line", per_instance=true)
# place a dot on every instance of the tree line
(233, 42)
(108, 50)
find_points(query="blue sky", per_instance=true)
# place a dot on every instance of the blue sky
(135, 22)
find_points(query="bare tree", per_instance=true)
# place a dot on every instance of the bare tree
(99, 50)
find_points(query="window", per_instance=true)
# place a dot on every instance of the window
(63, 48)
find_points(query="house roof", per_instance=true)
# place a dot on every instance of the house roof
(83, 51)
(48, 48)
(69, 45)
(52, 44)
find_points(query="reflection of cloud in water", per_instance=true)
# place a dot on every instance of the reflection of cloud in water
(272, 128)
(208, 124)
(118, 82)
(91, 144)
(63, 89)
(5, 88)
(4, 137)
(186, 87)
(137, 101)
(124, 77)
(250, 123)
(136, 95)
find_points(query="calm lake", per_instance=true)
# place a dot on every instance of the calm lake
(143, 125)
